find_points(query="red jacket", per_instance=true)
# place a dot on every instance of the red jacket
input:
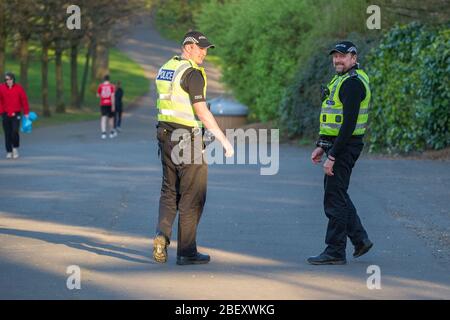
(13, 100)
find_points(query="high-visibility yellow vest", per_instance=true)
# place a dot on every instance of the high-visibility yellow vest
(173, 103)
(331, 116)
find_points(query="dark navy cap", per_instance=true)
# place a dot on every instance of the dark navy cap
(344, 47)
(198, 38)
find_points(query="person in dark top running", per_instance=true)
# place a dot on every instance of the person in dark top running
(119, 106)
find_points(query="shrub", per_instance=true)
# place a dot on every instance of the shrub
(258, 42)
(174, 18)
(409, 78)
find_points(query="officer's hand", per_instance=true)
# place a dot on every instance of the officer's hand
(328, 167)
(229, 150)
(316, 155)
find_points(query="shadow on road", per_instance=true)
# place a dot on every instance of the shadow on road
(81, 243)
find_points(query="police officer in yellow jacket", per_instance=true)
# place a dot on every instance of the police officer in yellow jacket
(343, 121)
(181, 86)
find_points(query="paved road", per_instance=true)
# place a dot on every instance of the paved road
(73, 199)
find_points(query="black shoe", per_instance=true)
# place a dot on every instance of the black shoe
(160, 244)
(362, 248)
(324, 258)
(197, 259)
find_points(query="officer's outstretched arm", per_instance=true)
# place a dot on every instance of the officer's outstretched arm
(206, 117)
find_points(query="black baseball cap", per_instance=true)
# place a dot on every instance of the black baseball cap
(344, 47)
(198, 38)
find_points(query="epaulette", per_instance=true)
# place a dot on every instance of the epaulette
(352, 73)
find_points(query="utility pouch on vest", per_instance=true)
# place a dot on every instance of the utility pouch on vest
(324, 92)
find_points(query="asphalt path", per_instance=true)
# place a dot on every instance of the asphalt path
(74, 199)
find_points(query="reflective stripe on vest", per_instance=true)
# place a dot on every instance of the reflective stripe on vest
(340, 111)
(331, 115)
(178, 114)
(164, 96)
(338, 126)
(173, 103)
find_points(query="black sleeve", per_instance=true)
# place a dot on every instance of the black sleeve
(193, 83)
(351, 94)
(119, 94)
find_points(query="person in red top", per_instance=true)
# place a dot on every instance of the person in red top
(13, 101)
(105, 92)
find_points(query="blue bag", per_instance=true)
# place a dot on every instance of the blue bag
(32, 116)
(27, 123)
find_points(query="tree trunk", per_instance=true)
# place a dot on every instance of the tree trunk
(102, 62)
(85, 73)
(94, 63)
(24, 61)
(2, 38)
(44, 62)
(2, 52)
(60, 107)
(74, 99)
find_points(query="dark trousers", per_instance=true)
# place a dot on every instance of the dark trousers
(11, 127)
(183, 190)
(118, 117)
(343, 220)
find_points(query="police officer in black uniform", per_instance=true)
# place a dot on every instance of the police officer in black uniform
(181, 86)
(342, 126)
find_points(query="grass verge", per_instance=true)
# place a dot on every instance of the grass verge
(122, 68)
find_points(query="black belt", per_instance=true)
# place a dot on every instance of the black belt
(171, 128)
(168, 129)
(331, 139)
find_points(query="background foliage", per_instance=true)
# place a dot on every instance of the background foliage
(410, 75)
(274, 57)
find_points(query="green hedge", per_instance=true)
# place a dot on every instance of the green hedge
(299, 109)
(174, 18)
(409, 75)
(274, 60)
(258, 42)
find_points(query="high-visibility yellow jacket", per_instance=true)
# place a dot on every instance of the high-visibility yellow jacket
(173, 103)
(331, 116)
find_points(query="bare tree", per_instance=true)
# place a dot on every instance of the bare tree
(22, 18)
(103, 18)
(44, 21)
(3, 36)
(43, 30)
(61, 36)
(50, 31)
(75, 40)
(99, 19)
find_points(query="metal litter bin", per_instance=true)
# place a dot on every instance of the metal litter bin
(228, 113)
